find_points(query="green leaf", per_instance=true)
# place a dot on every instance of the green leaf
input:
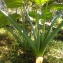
(13, 3)
(15, 16)
(56, 6)
(41, 1)
(32, 14)
(41, 16)
(3, 20)
(48, 14)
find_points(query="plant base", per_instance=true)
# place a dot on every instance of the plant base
(39, 59)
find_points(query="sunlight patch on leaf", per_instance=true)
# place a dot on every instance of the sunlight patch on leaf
(41, 1)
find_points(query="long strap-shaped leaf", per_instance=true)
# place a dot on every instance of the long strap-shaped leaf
(14, 34)
(43, 30)
(22, 43)
(49, 30)
(50, 38)
(20, 30)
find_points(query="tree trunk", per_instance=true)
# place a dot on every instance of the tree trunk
(39, 59)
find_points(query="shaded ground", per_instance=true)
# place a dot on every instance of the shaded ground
(10, 50)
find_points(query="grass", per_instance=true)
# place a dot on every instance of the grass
(10, 51)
